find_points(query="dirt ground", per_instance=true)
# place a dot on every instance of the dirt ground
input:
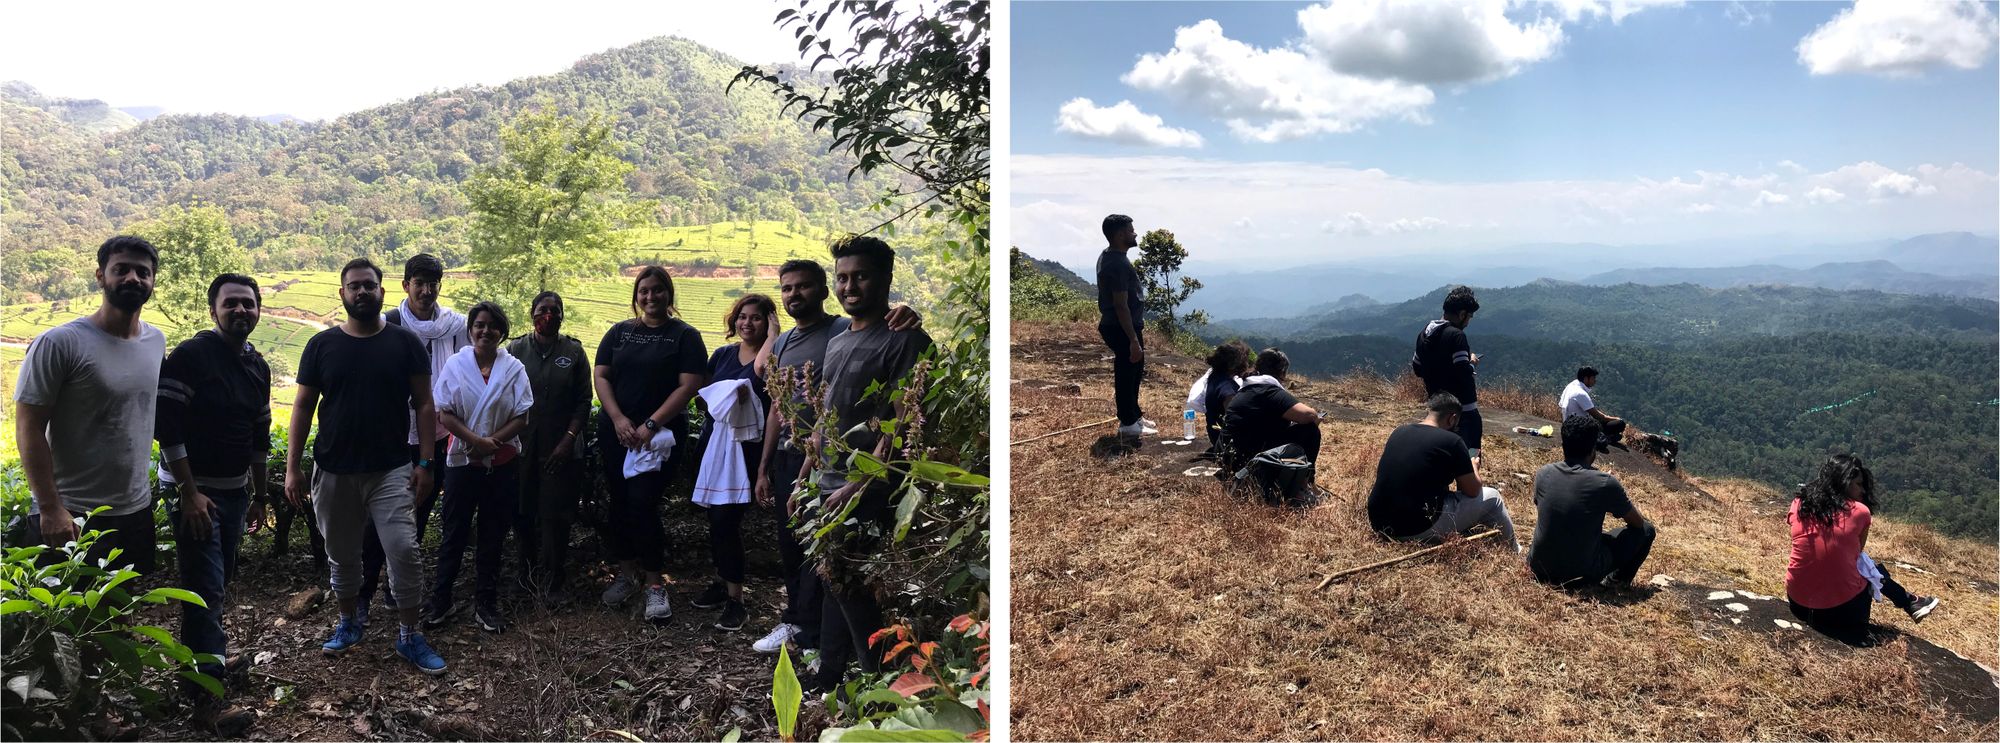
(1149, 604)
(572, 673)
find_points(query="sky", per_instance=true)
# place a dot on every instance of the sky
(320, 60)
(1352, 128)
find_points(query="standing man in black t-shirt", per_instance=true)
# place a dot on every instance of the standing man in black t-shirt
(1412, 500)
(1121, 321)
(1571, 500)
(869, 352)
(214, 427)
(1263, 415)
(370, 373)
(1446, 363)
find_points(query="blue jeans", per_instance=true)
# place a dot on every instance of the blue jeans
(205, 567)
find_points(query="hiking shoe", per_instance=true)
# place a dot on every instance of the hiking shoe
(1922, 607)
(346, 633)
(715, 596)
(236, 671)
(488, 618)
(621, 590)
(221, 720)
(1148, 427)
(733, 617)
(781, 634)
(419, 653)
(657, 609)
(435, 617)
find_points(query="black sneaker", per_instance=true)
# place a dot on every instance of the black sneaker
(715, 596)
(435, 617)
(733, 617)
(1922, 607)
(488, 618)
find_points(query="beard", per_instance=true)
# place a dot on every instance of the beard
(128, 297)
(364, 307)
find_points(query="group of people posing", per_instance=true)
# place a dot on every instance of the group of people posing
(1427, 484)
(422, 409)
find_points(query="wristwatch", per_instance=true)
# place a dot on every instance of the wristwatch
(426, 464)
(652, 425)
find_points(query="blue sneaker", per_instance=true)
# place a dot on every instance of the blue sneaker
(419, 653)
(346, 634)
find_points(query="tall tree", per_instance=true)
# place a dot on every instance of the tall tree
(551, 209)
(195, 246)
(1160, 257)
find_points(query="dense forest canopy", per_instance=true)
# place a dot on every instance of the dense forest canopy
(386, 181)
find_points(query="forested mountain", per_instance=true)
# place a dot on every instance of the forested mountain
(1760, 383)
(1880, 275)
(386, 180)
(90, 115)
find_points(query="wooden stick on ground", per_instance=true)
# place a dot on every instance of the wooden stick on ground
(1112, 419)
(1393, 560)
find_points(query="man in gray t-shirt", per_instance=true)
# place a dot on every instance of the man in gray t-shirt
(84, 411)
(1571, 500)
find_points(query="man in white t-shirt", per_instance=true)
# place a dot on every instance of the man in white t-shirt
(1576, 401)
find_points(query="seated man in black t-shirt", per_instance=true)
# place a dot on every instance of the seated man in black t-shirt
(1412, 500)
(1262, 415)
(1571, 501)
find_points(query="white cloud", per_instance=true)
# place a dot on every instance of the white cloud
(1900, 38)
(1743, 15)
(1121, 122)
(1576, 10)
(1435, 42)
(1791, 167)
(1244, 223)
(1269, 95)
(1201, 200)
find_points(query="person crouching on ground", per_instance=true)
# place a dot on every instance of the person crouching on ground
(1576, 400)
(1571, 501)
(1411, 500)
(1263, 415)
(1825, 581)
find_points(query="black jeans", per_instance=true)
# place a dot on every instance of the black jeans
(1848, 622)
(1125, 373)
(486, 497)
(1471, 428)
(802, 584)
(725, 524)
(849, 614)
(371, 544)
(206, 568)
(132, 532)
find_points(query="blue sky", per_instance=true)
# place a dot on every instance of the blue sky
(1766, 133)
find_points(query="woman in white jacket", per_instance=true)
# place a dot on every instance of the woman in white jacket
(735, 401)
(483, 396)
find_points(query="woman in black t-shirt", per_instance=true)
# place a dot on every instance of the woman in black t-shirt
(646, 371)
(754, 319)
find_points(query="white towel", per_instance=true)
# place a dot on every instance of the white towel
(1198, 392)
(650, 457)
(483, 405)
(1872, 572)
(739, 417)
(1262, 379)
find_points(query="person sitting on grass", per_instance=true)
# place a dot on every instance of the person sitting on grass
(1571, 501)
(1576, 400)
(1412, 500)
(1263, 416)
(1226, 367)
(1825, 580)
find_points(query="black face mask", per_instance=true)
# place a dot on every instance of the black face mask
(128, 297)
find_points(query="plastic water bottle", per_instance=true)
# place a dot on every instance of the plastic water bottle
(1187, 424)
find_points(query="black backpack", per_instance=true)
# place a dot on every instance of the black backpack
(1281, 474)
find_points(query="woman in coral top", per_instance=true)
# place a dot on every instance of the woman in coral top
(1825, 581)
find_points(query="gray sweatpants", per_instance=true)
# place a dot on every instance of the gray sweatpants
(345, 504)
(1461, 514)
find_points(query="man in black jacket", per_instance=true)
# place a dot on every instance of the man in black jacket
(213, 422)
(1446, 363)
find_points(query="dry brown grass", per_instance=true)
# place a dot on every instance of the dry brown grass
(1154, 609)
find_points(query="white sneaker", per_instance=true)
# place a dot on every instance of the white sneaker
(781, 634)
(657, 609)
(1148, 426)
(620, 590)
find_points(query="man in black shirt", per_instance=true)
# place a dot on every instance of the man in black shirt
(1571, 501)
(1411, 500)
(1446, 363)
(370, 373)
(1263, 415)
(213, 422)
(868, 353)
(1121, 321)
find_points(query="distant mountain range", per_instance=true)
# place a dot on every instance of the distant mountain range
(89, 114)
